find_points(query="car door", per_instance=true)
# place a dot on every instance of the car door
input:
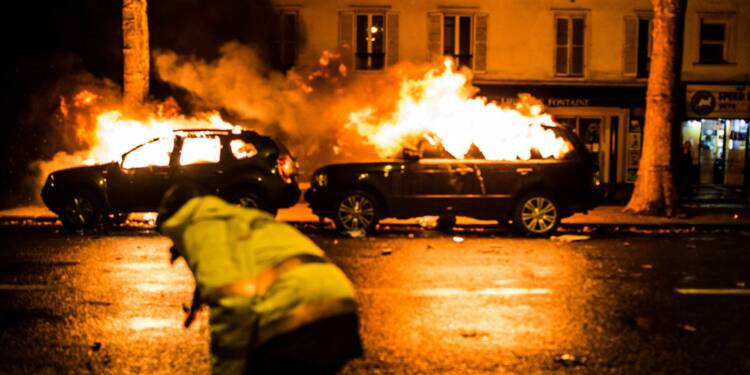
(199, 159)
(440, 186)
(142, 177)
(502, 181)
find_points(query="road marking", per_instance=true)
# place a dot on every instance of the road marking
(23, 286)
(452, 292)
(718, 292)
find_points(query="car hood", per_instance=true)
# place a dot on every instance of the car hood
(80, 171)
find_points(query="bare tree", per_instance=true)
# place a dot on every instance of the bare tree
(654, 192)
(135, 52)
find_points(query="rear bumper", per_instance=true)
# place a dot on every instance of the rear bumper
(288, 196)
(317, 199)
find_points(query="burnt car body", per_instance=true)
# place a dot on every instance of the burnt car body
(533, 194)
(241, 166)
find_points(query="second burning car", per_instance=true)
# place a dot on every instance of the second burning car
(243, 167)
(533, 194)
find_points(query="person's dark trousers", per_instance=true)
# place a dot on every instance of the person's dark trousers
(321, 347)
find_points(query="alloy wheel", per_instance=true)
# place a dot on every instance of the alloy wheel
(539, 215)
(356, 212)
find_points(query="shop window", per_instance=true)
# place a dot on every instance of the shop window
(200, 150)
(285, 40)
(370, 40)
(156, 153)
(715, 40)
(569, 37)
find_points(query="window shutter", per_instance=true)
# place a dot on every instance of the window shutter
(434, 37)
(480, 42)
(392, 31)
(346, 38)
(630, 48)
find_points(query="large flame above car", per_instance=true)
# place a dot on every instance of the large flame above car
(115, 134)
(440, 107)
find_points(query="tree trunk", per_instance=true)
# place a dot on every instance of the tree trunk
(135, 53)
(654, 192)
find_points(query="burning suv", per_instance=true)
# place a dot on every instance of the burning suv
(531, 194)
(241, 166)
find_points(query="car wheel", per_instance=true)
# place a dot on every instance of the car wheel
(446, 222)
(249, 199)
(81, 210)
(536, 214)
(356, 211)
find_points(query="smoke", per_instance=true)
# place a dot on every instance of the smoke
(307, 108)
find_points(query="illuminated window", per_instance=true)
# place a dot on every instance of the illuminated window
(200, 150)
(569, 37)
(153, 154)
(285, 40)
(715, 40)
(457, 40)
(242, 149)
(370, 41)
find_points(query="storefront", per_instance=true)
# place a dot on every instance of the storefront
(716, 127)
(608, 119)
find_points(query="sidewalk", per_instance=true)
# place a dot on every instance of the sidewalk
(603, 216)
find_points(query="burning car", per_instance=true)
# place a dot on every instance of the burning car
(241, 166)
(533, 193)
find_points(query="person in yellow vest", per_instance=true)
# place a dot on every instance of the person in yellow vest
(277, 304)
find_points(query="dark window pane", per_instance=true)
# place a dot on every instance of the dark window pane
(712, 53)
(561, 60)
(464, 36)
(577, 61)
(562, 31)
(578, 31)
(377, 34)
(712, 31)
(464, 60)
(378, 61)
(644, 53)
(449, 35)
(361, 34)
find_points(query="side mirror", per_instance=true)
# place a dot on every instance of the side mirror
(410, 154)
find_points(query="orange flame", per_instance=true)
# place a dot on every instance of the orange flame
(441, 105)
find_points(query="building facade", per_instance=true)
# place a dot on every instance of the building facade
(587, 60)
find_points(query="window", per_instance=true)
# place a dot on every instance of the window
(637, 51)
(569, 30)
(200, 150)
(285, 40)
(457, 40)
(714, 41)
(644, 47)
(156, 153)
(370, 41)
(242, 149)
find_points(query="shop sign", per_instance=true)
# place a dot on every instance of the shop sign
(718, 101)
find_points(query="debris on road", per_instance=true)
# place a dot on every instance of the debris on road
(386, 251)
(428, 222)
(571, 360)
(458, 239)
(647, 266)
(411, 235)
(689, 328)
(96, 346)
(335, 242)
(359, 233)
(570, 237)
(741, 284)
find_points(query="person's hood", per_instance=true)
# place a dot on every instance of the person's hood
(196, 209)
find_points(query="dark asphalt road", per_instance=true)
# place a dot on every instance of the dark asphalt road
(486, 302)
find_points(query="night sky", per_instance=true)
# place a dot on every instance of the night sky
(51, 43)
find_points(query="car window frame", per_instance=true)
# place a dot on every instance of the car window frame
(153, 140)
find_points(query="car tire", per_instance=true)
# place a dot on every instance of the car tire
(446, 222)
(81, 209)
(356, 210)
(250, 198)
(536, 214)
